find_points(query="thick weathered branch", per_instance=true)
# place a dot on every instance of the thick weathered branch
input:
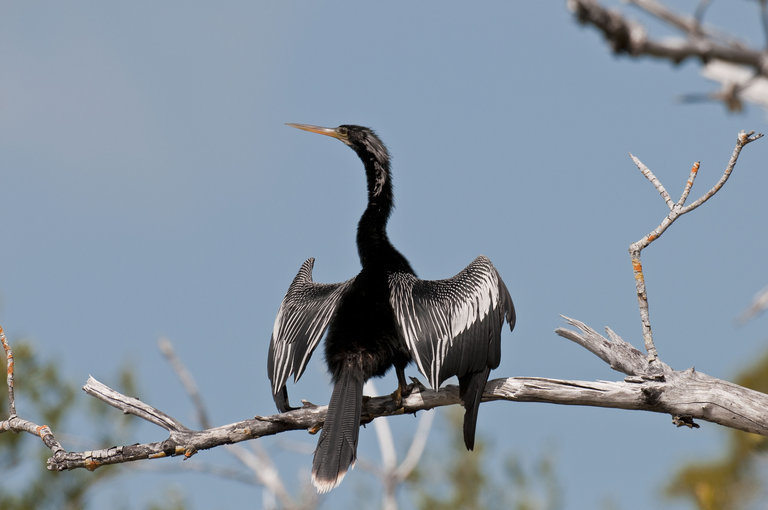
(686, 395)
(696, 41)
(630, 37)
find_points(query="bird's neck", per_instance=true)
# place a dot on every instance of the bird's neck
(373, 244)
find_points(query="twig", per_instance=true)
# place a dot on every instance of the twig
(677, 209)
(764, 19)
(265, 472)
(658, 10)
(391, 473)
(383, 435)
(689, 184)
(418, 444)
(134, 406)
(742, 140)
(654, 180)
(166, 348)
(698, 15)
(9, 371)
(14, 423)
(257, 461)
(759, 305)
(388, 455)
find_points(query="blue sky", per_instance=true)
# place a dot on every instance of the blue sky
(150, 188)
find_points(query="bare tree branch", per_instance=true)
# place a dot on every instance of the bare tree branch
(9, 374)
(696, 41)
(256, 460)
(630, 37)
(14, 423)
(390, 473)
(654, 180)
(677, 209)
(186, 379)
(134, 406)
(758, 306)
(418, 443)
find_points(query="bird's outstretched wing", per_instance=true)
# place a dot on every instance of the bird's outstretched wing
(302, 319)
(453, 326)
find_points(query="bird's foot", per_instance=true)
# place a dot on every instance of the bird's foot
(400, 394)
(403, 391)
(397, 396)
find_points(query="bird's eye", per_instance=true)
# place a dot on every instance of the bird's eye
(342, 131)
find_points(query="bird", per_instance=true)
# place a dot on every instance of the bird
(384, 317)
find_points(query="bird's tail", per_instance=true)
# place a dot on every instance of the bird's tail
(471, 392)
(336, 450)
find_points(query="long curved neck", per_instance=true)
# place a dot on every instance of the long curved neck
(373, 246)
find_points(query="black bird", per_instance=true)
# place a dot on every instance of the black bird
(383, 317)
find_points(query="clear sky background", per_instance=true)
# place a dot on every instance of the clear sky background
(149, 188)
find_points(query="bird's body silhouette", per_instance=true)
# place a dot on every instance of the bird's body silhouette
(384, 317)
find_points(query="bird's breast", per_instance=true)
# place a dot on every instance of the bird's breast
(364, 325)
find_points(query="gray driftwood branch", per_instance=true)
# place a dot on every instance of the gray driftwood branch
(685, 395)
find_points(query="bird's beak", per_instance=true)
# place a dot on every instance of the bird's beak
(332, 132)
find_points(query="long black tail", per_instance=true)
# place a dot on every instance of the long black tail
(336, 450)
(471, 388)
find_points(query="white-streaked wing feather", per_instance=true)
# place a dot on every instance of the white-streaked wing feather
(303, 317)
(453, 326)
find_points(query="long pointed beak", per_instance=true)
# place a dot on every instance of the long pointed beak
(332, 132)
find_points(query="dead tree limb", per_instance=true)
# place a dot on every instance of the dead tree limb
(255, 459)
(741, 68)
(676, 209)
(685, 395)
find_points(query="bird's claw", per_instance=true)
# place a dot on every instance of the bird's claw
(397, 396)
(403, 392)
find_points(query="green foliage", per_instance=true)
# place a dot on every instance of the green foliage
(730, 482)
(456, 479)
(45, 397)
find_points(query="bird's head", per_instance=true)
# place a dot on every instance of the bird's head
(361, 139)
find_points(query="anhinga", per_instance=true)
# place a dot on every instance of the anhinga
(383, 317)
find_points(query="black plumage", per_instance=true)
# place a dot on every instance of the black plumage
(384, 317)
